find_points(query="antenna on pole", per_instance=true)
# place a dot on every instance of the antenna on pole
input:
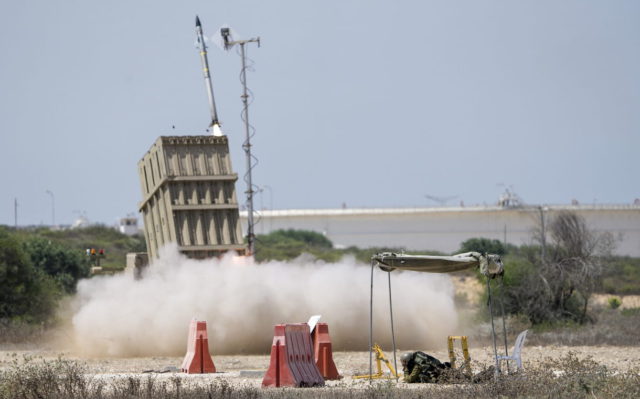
(228, 43)
(215, 124)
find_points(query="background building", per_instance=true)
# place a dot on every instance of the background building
(444, 228)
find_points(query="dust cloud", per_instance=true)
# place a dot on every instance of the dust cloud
(242, 301)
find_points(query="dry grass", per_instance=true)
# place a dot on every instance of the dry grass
(612, 327)
(17, 334)
(567, 377)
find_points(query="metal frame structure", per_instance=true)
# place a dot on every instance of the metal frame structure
(490, 266)
(189, 196)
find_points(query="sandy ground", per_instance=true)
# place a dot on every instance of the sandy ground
(248, 370)
(627, 301)
(243, 370)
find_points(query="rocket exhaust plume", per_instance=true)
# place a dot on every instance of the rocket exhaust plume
(215, 129)
(242, 301)
(215, 124)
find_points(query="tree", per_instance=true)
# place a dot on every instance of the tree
(574, 264)
(558, 286)
(289, 244)
(64, 265)
(26, 292)
(483, 245)
(309, 238)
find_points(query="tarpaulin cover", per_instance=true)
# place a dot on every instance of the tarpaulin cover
(490, 265)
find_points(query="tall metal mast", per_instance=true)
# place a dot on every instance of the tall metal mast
(215, 124)
(228, 43)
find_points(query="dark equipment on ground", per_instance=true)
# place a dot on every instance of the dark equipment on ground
(420, 367)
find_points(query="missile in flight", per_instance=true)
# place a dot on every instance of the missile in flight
(215, 124)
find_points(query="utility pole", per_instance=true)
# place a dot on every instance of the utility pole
(15, 212)
(228, 43)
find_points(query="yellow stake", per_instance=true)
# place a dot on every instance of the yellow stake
(465, 351)
(379, 359)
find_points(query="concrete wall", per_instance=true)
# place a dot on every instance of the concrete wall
(443, 229)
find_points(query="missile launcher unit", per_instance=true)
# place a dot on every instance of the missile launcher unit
(189, 196)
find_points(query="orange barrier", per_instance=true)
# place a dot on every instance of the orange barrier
(292, 363)
(323, 352)
(198, 360)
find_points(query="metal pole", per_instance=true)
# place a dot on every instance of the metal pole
(247, 149)
(393, 335)
(15, 212)
(247, 127)
(493, 329)
(371, 324)
(504, 323)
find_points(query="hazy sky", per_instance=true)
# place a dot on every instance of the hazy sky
(368, 103)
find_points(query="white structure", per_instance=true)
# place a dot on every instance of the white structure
(444, 228)
(128, 225)
(81, 222)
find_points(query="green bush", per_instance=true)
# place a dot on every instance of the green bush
(26, 292)
(289, 244)
(115, 244)
(621, 276)
(483, 245)
(64, 265)
(556, 286)
(35, 273)
(614, 302)
(307, 238)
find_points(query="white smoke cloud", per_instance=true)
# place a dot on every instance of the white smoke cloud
(242, 301)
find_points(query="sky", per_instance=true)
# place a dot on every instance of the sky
(362, 103)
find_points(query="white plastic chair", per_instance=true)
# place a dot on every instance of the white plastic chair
(516, 351)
